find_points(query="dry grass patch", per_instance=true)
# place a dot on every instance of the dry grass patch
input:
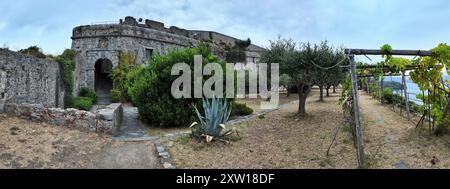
(277, 140)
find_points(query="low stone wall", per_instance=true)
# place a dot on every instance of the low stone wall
(104, 121)
(112, 113)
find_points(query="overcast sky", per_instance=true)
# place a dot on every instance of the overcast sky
(405, 24)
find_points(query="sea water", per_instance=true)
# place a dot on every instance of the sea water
(413, 89)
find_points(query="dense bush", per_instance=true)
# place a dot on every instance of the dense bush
(116, 95)
(149, 88)
(239, 109)
(390, 98)
(33, 51)
(89, 93)
(387, 96)
(82, 103)
(127, 62)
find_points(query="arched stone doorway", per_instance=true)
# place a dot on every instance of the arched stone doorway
(103, 82)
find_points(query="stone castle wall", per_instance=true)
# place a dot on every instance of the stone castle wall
(105, 41)
(25, 79)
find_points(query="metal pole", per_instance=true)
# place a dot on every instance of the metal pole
(359, 134)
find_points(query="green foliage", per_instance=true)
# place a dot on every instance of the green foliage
(346, 90)
(67, 64)
(373, 87)
(388, 50)
(428, 75)
(303, 64)
(212, 122)
(127, 63)
(89, 93)
(150, 88)
(397, 64)
(388, 96)
(34, 51)
(286, 81)
(442, 54)
(116, 95)
(239, 109)
(82, 103)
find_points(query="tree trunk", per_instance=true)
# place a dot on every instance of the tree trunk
(334, 88)
(302, 106)
(302, 95)
(328, 91)
(321, 93)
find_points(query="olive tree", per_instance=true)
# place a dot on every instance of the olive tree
(301, 65)
(328, 70)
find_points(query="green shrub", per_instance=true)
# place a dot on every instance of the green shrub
(387, 96)
(116, 95)
(150, 88)
(239, 109)
(127, 63)
(82, 103)
(68, 101)
(67, 64)
(33, 51)
(415, 107)
(89, 93)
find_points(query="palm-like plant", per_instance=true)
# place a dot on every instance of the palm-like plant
(212, 123)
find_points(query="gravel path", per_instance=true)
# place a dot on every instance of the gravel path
(393, 142)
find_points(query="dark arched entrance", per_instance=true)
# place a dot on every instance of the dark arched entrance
(103, 81)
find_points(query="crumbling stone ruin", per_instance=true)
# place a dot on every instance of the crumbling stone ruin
(98, 47)
(26, 79)
(32, 88)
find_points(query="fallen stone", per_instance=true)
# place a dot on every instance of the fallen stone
(401, 165)
(164, 154)
(159, 148)
(167, 165)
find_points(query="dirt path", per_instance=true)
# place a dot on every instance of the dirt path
(393, 142)
(25, 145)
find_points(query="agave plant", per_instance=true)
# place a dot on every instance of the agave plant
(212, 123)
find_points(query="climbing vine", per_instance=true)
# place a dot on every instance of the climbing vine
(427, 74)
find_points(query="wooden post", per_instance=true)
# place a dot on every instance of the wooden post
(359, 134)
(382, 90)
(405, 89)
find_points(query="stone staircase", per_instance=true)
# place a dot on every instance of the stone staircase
(131, 128)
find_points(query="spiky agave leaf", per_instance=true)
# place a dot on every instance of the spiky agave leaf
(200, 117)
(193, 124)
(209, 138)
